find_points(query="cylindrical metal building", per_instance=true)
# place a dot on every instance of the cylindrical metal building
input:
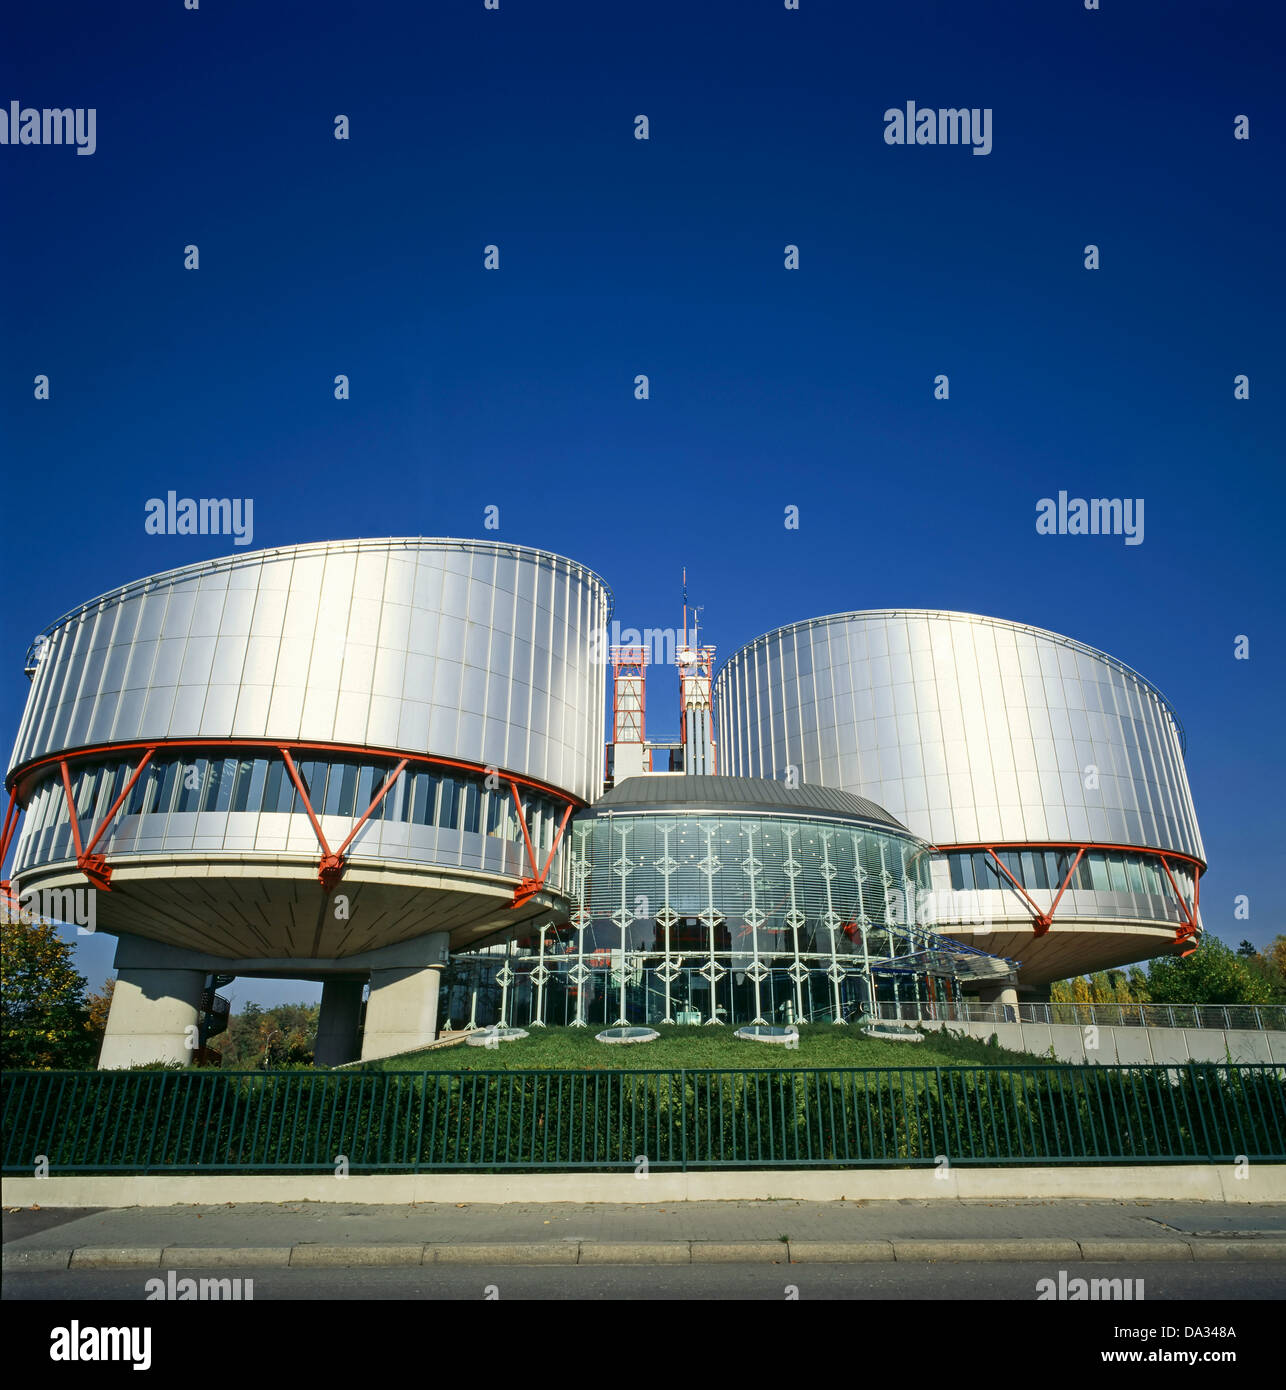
(292, 759)
(1049, 775)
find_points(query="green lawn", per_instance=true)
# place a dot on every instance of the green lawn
(820, 1045)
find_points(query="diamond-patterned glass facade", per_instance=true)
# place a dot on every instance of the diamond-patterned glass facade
(728, 918)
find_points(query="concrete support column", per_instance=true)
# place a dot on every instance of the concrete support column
(341, 1007)
(1005, 995)
(402, 1012)
(153, 1017)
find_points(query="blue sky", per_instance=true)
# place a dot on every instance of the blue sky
(769, 387)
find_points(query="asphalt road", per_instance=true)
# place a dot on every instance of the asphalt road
(1243, 1281)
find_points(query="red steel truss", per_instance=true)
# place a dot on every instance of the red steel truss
(332, 861)
(1186, 934)
(629, 700)
(95, 866)
(11, 817)
(331, 868)
(532, 885)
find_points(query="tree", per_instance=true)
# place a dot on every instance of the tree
(1277, 953)
(259, 1039)
(97, 1007)
(43, 1014)
(1212, 974)
(1269, 965)
(1137, 983)
(1103, 987)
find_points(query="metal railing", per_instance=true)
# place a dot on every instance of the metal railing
(425, 1121)
(1255, 1017)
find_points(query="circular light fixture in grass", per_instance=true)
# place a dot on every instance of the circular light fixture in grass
(883, 1033)
(493, 1037)
(627, 1035)
(768, 1033)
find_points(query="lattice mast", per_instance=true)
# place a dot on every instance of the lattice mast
(696, 678)
(630, 753)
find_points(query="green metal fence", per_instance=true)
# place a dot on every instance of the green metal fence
(311, 1122)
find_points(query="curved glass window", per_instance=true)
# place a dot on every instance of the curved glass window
(245, 785)
(1102, 871)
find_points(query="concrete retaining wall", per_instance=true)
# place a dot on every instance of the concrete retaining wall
(1129, 1044)
(1262, 1182)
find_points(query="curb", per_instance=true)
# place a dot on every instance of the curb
(224, 1257)
(1239, 1250)
(331, 1256)
(115, 1257)
(19, 1261)
(309, 1256)
(840, 1251)
(1159, 1249)
(541, 1253)
(678, 1252)
(1037, 1248)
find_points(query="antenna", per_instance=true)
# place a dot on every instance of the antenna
(695, 663)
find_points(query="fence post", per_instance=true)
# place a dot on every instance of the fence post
(942, 1110)
(1199, 1100)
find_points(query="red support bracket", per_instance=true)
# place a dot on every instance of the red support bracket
(95, 866)
(330, 869)
(71, 809)
(120, 801)
(1071, 873)
(11, 817)
(522, 821)
(1188, 932)
(1041, 921)
(533, 883)
(558, 835)
(329, 874)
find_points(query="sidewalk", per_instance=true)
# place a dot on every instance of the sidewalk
(336, 1234)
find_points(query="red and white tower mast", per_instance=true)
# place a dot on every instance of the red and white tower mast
(696, 678)
(630, 754)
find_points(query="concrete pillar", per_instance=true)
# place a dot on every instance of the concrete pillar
(153, 1017)
(1005, 995)
(341, 1007)
(402, 1012)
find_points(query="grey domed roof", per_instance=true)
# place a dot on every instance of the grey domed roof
(733, 794)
